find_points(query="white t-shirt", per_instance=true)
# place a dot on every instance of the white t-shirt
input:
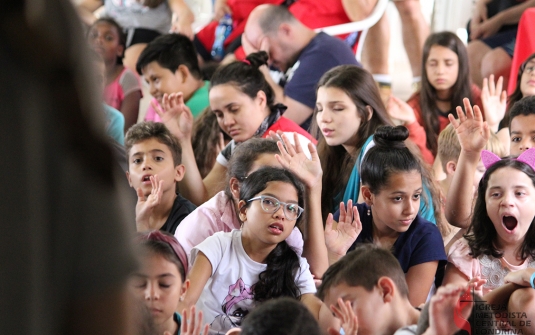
(227, 296)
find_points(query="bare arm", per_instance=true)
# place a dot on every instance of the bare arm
(320, 311)
(197, 278)
(453, 275)
(86, 9)
(130, 109)
(419, 279)
(183, 17)
(357, 10)
(512, 15)
(473, 134)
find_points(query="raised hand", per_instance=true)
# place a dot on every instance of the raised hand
(472, 131)
(176, 116)
(192, 324)
(293, 158)
(145, 205)
(447, 313)
(345, 313)
(400, 111)
(340, 239)
(494, 101)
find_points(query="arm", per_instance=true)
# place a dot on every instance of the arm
(320, 311)
(220, 9)
(310, 173)
(357, 10)
(492, 25)
(419, 279)
(296, 111)
(130, 109)
(86, 9)
(473, 134)
(521, 277)
(178, 119)
(453, 275)
(197, 278)
(183, 18)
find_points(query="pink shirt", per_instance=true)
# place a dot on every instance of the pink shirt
(487, 267)
(215, 215)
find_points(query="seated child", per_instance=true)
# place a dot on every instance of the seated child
(372, 281)
(122, 87)
(154, 168)
(159, 282)
(501, 239)
(169, 65)
(449, 149)
(233, 272)
(392, 188)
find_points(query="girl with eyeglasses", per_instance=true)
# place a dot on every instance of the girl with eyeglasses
(233, 272)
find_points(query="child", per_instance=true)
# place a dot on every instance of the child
(244, 104)
(159, 282)
(525, 83)
(154, 168)
(169, 65)
(501, 237)
(445, 82)
(219, 214)
(372, 281)
(254, 263)
(392, 187)
(348, 111)
(123, 90)
(522, 125)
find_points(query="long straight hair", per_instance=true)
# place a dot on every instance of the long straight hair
(336, 162)
(428, 94)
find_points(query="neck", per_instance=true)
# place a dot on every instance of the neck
(407, 314)
(383, 236)
(169, 326)
(195, 84)
(511, 252)
(255, 249)
(112, 71)
(351, 149)
(444, 95)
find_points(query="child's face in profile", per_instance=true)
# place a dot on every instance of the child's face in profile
(396, 205)
(158, 283)
(509, 197)
(522, 133)
(148, 158)
(163, 81)
(367, 306)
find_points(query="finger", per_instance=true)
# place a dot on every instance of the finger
(285, 157)
(342, 211)
(157, 108)
(460, 114)
(333, 331)
(337, 311)
(485, 90)
(191, 319)
(165, 102)
(492, 86)
(140, 195)
(329, 223)
(349, 215)
(499, 84)
(356, 219)
(289, 147)
(468, 108)
(206, 329)
(298, 147)
(454, 122)
(198, 326)
(503, 97)
(184, 326)
(477, 114)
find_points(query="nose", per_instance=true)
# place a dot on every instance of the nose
(324, 117)
(228, 120)
(279, 213)
(145, 165)
(507, 199)
(151, 292)
(526, 143)
(410, 207)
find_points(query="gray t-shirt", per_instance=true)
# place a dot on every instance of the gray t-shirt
(131, 14)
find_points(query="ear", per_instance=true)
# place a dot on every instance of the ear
(184, 290)
(451, 166)
(387, 288)
(129, 179)
(262, 99)
(235, 188)
(184, 72)
(120, 51)
(180, 170)
(367, 194)
(285, 29)
(369, 111)
(242, 210)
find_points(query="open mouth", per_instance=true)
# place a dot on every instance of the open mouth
(146, 178)
(509, 222)
(276, 228)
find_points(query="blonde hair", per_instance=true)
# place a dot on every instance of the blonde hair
(449, 147)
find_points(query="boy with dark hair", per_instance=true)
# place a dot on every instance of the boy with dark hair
(169, 65)
(372, 280)
(154, 168)
(522, 125)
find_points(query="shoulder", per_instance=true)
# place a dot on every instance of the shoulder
(459, 256)
(328, 49)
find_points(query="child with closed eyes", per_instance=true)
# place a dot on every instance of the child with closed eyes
(233, 272)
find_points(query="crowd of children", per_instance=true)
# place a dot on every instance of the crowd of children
(403, 219)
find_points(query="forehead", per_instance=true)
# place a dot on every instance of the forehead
(147, 145)
(153, 68)
(531, 62)
(346, 292)
(523, 123)
(509, 177)
(326, 94)
(225, 93)
(154, 265)
(440, 52)
(104, 27)
(407, 181)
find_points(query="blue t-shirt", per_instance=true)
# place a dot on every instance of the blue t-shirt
(421, 243)
(322, 54)
(115, 124)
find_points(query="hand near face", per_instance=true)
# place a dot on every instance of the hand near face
(340, 239)
(400, 110)
(494, 101)
(472, 131)
(344, 312)
(146, 205)
(176, 116)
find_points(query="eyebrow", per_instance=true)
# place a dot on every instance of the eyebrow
(151, 151)
(401, 192)
(274, 196)
(518, 132)
(159, 276)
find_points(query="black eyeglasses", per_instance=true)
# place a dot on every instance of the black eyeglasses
(271, 204)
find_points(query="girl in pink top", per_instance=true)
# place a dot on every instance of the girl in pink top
(123, 89)
(501, 239)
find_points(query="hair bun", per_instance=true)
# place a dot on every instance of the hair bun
(257, 59)
(391, 136)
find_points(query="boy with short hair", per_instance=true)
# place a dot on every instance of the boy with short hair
(154, 168)
(169, 65)
(372, 280)
(522, 125)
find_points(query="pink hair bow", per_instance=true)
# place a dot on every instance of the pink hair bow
(488, 158)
